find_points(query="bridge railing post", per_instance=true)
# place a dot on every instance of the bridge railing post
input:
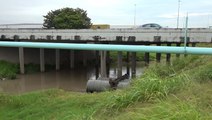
(59, 37)
(49, 37)
(16, 37)
(32, 37)
(77, 37)
(3, 37)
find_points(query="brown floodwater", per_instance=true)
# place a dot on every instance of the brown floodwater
(69, 80)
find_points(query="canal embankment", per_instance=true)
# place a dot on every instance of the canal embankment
(180, 90)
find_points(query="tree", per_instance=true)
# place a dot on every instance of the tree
(67, 18)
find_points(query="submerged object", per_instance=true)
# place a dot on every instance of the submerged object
(104, 84)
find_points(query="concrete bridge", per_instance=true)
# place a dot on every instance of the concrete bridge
(56, 56)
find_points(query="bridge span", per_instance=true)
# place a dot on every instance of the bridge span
(147, 35)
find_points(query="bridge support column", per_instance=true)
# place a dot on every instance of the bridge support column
(157, 39)
(187, 45)
(97, 58)
(103, 64)
(108, 63)
(158, 55)
(133, 69)
(57, 59)
(71, 59)
(119, 64)
(128, 60)
(97, 61)
(21, 60)
(178, 45)
(84, 58)
(42, 60)
(133, 58)
(146, 58)
(168, 55)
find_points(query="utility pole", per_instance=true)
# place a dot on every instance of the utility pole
(178, 13)
(135, 16)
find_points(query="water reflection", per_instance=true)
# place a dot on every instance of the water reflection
(70, 80)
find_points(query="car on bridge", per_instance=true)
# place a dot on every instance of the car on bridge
(150, 25)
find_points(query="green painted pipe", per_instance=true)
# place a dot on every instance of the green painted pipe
(109, 47)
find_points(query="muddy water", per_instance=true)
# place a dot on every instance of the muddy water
(70, 80)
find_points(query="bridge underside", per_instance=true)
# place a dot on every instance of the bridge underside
(57, 56)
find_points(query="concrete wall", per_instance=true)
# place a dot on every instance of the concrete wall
(167, 34)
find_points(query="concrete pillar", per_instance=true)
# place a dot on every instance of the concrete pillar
(133, 58)
(103, 64)
(146, 58)
(128, 61)
(157, 39)
(84, 58)
(97, 71)
(178, 45)
(97, 61)
(42, 60)
(187, 45)
(97, 58)
(57, 59)
(119, 64)
(21, 60)
(158, 55)
(108, 63)
(168, 55)
(133, 70)
(72, 59)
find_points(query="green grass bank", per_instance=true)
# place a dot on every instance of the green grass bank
(10, 70)
(181, 91)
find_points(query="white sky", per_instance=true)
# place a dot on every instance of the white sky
(114, 12)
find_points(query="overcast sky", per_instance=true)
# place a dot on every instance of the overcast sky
(114, 12)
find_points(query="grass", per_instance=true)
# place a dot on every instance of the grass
(8, 70)
(179, 91)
